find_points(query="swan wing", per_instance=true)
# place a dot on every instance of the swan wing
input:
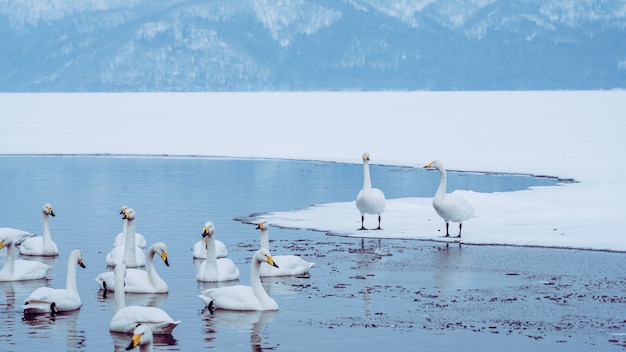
(288, 265)
(199, 250)
(30, 270)
(238, 297)
(371, 201)
(126, 319)
(120, 240)
(34, 246)
(454, 207)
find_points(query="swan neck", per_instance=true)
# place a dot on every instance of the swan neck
(119, 293)
(265, 239)
(367, 181)
(442, 184)
(70, 283)
(46, 229)
(129, 246)
(257, 285)
(210, 269)
(10, 260)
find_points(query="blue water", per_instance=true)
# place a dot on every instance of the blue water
(354, 297)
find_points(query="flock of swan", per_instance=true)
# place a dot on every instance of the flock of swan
(135, 272)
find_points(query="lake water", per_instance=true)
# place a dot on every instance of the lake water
(390, 294)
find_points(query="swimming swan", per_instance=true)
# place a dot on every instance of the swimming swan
(138, 280)
(240, 297)
(142, 337)
(215, 269)
(450, 206)
(41, 245)
(19, 270)
(120, 239)
(369, 200)
(130, 254)
(126, 318)
(52, 300)
(199, 249)
(289, 264)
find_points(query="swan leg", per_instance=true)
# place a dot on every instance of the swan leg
(362, 219)
(447, 227)
(378, 228)
(210, 307)
(53, 309)
(460, 226)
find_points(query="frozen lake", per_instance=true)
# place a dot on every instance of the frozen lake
(367, 295)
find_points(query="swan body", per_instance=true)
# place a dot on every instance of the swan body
(52, 300)
(130, 254)
(199, 249)
(215, 269)
(369, 200)
(240, 297)
(138, 280)
(450, 206)
(290, 265)
(126, 318)
(19, 270)
(41, 245)
(120, 239)
(142, 337)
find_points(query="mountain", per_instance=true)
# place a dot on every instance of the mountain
(252, 45)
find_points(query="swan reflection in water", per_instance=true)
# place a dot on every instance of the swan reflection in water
(48, 326)
(253, 321)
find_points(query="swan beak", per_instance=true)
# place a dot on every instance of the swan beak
(428, 166)
(261, 225)
(136, 339)
(50, 212)
(164, 258)
(82, 265)
(270, 261)
(205, 232)
(1, 244)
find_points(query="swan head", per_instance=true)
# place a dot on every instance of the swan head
(264, 256)
(209, 229)
(47, 209)
(78, 255)
(366, 157)
(160, 249)
(129, 214)
(434, 165)
(262, 225)
(124, 207)
(5, 242)
(142, 335)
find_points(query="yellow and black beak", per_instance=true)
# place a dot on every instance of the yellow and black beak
(428, 166)
(270, 261)
(134, 342)
(164, 258)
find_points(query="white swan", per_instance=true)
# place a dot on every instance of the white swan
(142, 337)
(450, 206)
(215, 269)
(19, 270)
(120, 239)
(290, 265)
(52, 300)
(369, 200)
(200, 247)
(240, 297)
(44, 245)
(126, 318)
(138, 280)
(130, 254)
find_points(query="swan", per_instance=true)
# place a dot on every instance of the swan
(120, 239)
(200, 247)
(450, 206)
(369, 200)
(240, 297)
(138, 280)
(130, 254)
(18, 270)
(52, 300)
(289, 264)
(126, 318)
(213, 268)
(44, 245)
(142, 337)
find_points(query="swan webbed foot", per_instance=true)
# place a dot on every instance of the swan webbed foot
(361, 229)
(378, 228)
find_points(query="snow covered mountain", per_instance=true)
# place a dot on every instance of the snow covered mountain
(250, 45)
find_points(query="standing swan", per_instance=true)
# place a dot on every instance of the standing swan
(130, 254)
(215, 269)
(290, 265)
(18, 270)
(450, 206)
(142, 337)
(44, 245)
(369, 200)
(120, 239)
(240, 297)
(52, 300)
(126, 318)
(138, 280)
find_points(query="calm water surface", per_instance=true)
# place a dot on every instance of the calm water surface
(391, 294)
